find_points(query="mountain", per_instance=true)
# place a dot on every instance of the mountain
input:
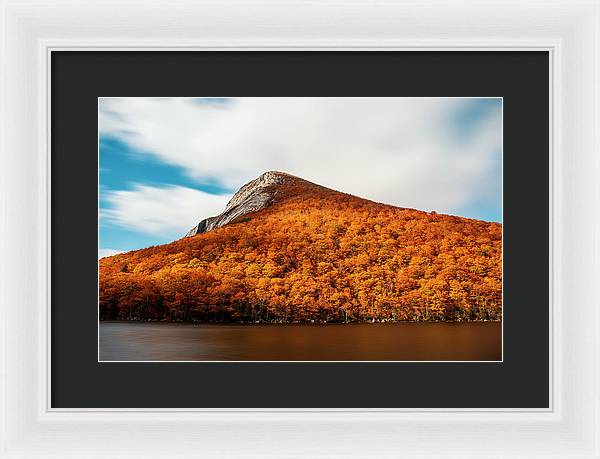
(288, 250)
(253, 196)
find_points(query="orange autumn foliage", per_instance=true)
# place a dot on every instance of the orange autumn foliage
(315, 255)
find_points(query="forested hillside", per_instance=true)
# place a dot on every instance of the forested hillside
(314, 254)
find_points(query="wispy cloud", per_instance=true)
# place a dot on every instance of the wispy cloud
(165, 211)
(422, 153)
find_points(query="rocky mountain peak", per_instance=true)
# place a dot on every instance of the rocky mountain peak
(257, 186)
(253, 196)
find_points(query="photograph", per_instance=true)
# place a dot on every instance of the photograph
(300, 229)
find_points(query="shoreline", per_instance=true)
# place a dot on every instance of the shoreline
(198, 322)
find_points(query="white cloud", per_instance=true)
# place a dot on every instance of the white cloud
(167, 211)
(393, 150)
(108, 252)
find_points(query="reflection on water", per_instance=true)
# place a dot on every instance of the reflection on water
(397, 341)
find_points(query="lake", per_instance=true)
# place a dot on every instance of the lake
(126, 341)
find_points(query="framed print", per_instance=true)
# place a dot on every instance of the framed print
(276, 230)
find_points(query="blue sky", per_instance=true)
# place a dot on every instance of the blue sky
(167, 163)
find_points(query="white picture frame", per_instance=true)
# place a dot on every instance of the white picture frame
(568, 29)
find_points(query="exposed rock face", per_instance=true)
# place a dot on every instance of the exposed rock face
(253, 196)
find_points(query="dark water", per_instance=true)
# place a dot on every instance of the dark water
(398, 341)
